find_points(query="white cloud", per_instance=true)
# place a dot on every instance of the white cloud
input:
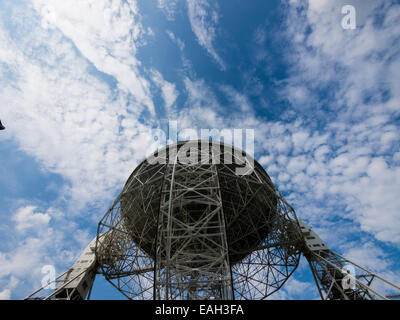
(367, 255)
(108, 34)
(378, 194)
(60, 110)
(239, 101)
(296, 289)
(168, 90)
(374, 259)
(349, 162)
(296, 164)
(179, 42)
(27, 218)
(5, 294)
(203, 19)
(187, 65)
(300, 138)
(203, 107)
(72, 122)
(78, 126)
(169, 7)
(53, 239)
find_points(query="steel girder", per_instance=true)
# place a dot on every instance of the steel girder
(338, 278)
(195, 229)
(188, 226)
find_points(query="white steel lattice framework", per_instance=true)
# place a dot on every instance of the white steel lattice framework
(203, 220)
(190, 227)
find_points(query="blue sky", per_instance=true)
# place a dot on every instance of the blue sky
(83, 83)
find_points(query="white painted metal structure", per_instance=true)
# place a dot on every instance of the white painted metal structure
(76, 283)
(188, 226)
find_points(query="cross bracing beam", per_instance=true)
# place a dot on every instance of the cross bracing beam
(336, 277)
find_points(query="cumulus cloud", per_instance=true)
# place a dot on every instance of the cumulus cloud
(296, 289)
(345, 166)
(27, 218)
(53, 239)
(6, 293)
(374, 259)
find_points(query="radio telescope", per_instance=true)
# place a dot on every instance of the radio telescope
(202, 220)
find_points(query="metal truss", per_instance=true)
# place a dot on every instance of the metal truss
(188, 226)
(192, 250)
(338, 278)
(203, 220)
(122, 261)
(74, 284)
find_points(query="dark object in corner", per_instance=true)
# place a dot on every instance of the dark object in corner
(1, 126)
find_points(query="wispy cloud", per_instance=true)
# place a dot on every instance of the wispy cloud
(204, 19)
(73, 103)
(176, 40)
(72, 110)
(78, 100)
(169, 7)
(168, 91)
(186, 63)
(108, 34)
